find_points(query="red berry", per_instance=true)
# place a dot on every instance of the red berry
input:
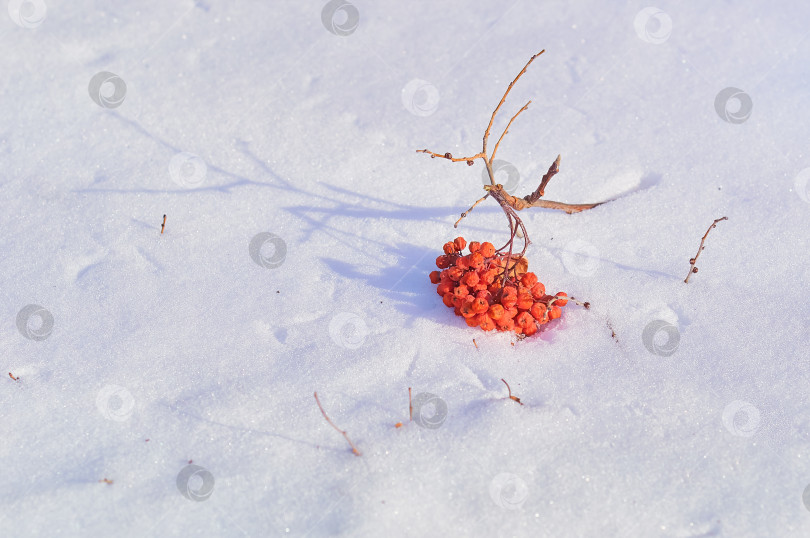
(455, 274)
(449, 248)
(561, 302)
(459, 243)
(538, 312)
(435, 277)
(470, 279)
(524, 301)
(555, 312)
(496, 311)
(486, 323)
(487, 249)
(480, 305)
(443, 262)
(474, 246)
(538, 290)
(447, 299)
(524, 319)
(528, 280)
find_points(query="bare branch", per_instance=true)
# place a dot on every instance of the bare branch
(515, 398)
(449, 156)
(345, 435)
(541, 190)
(693, 261)
(495, 112)
(498, 143)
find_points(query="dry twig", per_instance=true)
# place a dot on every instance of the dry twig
(12, 377)
(345, 435)
(163, 225)
(510, 204)
(693, 261)
(515, 398)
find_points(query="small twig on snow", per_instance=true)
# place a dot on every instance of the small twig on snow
(693, 261)
(515, 398)
(345, 435)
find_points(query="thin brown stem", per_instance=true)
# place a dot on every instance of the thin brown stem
(495, 112)
(410, 405)
(693, 261)
(498, 143)
(515, 398)
(449, 156)
(343, 432)
(468, 211)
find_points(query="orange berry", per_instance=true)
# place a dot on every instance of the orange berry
(524, 319)
(457, 302)
(555, 312)
(480, 287)
(530, 329)
(460, 243)
(510, 312)
(510, 290)
(538, 290)
(496, 311)
(487, 249)
(486, 323)
(538, 312)
(447, 299)
(449, 248)
(476, 260)
(471, 278)
(508, 301)
(480, 305)
(466, 309)
(455, 273)
(443, 262)
(561, 302)
(505, 324)
(528, 280)
(435, 277)
(474, 246)
(524, 301)
(463, 262)
(484, 294)
(461, 291)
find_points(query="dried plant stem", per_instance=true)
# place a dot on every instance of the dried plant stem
(343, 432)
(515, 398)
(162, 226)
(511, 204)
(410, 405)
(693, 261)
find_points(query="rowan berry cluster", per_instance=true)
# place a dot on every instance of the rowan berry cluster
(493, 290)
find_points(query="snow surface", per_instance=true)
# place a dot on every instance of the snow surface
(248, 118)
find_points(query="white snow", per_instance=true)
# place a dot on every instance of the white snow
(247, 118)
